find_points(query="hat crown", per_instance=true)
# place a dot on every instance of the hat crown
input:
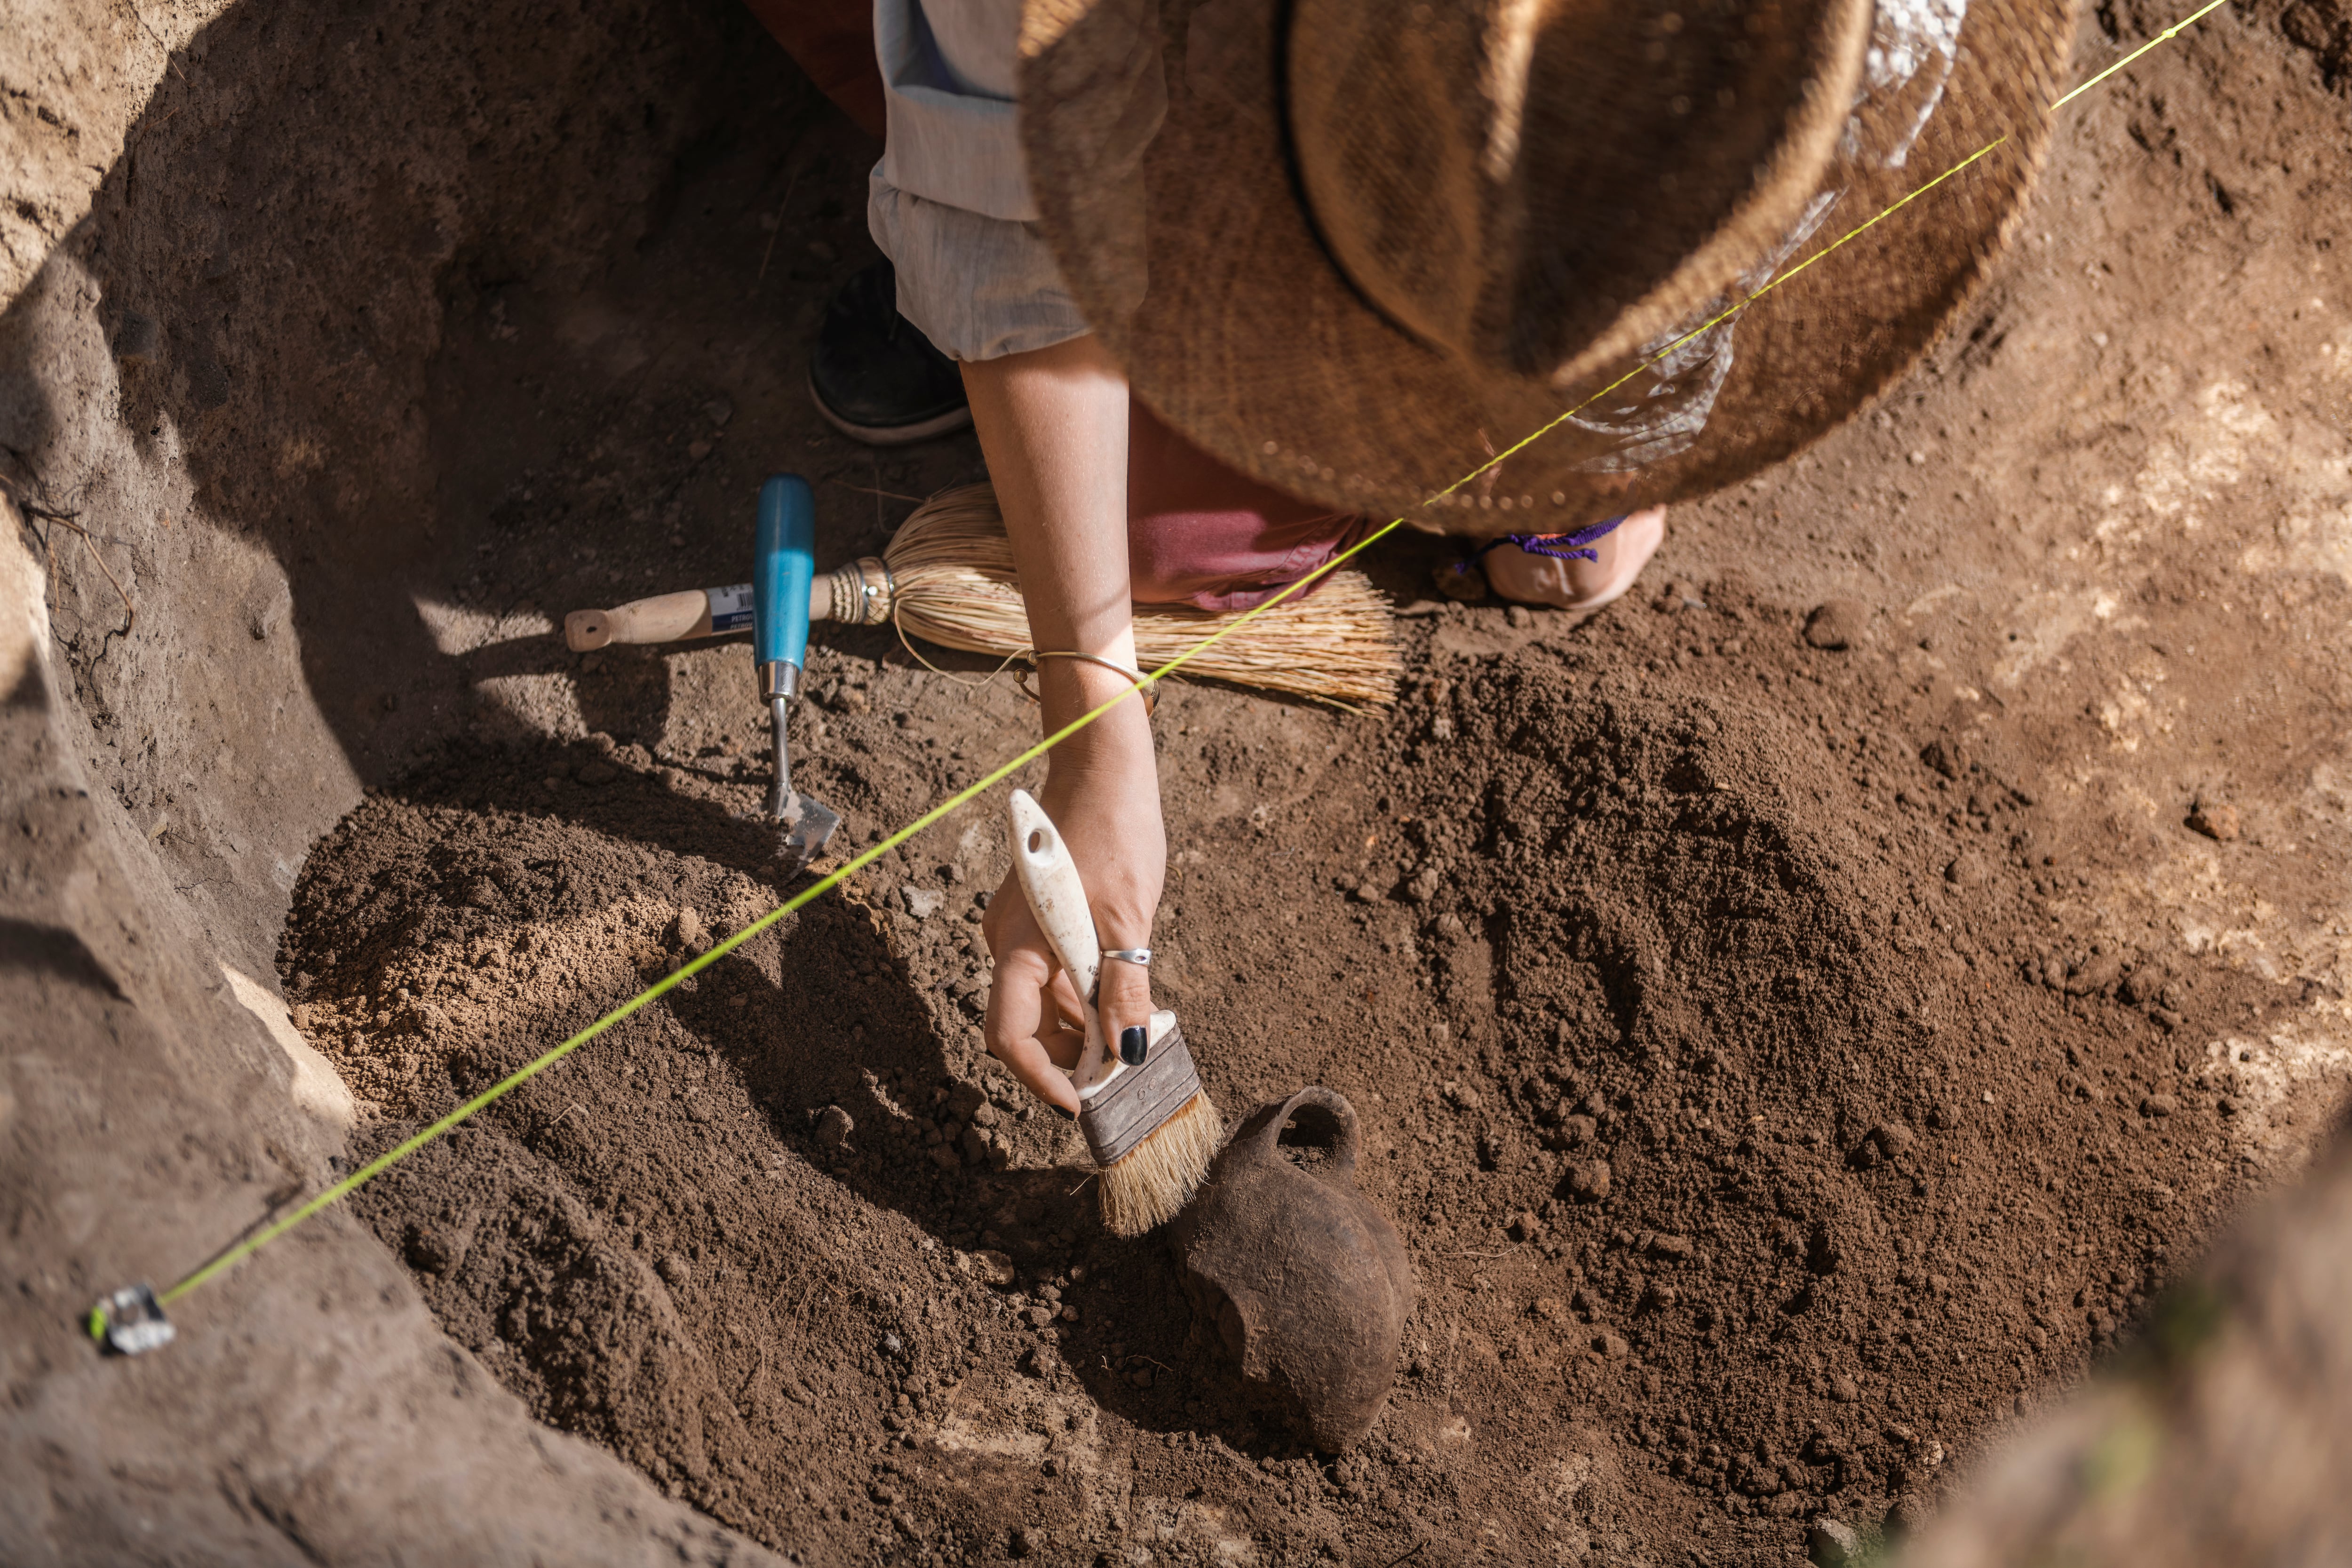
(1541, 185)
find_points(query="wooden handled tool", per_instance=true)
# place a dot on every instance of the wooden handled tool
(857, 593)
(665, 617)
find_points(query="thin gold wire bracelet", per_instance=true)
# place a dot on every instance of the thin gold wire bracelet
(1035, 657)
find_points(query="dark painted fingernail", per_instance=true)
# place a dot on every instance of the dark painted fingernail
(1065, 1115)
(1134, 1043)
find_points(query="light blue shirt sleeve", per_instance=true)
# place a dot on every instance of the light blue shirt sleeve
(949, 202)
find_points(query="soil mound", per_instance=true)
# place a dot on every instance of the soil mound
(1757, 1150)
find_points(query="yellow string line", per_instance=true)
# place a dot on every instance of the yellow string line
(417, 1140)
(1725, 316)
(962, 797)
(1718, 319)
(2166, 37)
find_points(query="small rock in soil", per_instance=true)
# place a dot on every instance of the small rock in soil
(1589, 1181)
(2095, 974)
(1832, 1543)
(834, 1127)
(989, 1267)
(1837, 624)
(1908, 1514)
(686, 930)
(2158, 1105)
(922, 902)
(675, 1270)
(1844, 1389)
(1946, 757)
(2215, 820)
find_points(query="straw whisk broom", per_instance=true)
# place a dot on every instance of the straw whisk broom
(948, 578)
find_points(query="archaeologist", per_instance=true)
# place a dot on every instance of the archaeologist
(1215, 326)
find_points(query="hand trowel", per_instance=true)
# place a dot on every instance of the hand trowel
(785, 542)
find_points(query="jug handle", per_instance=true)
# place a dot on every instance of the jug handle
(1343, 1148)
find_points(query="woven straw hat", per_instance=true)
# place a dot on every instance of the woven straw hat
(1358, 247)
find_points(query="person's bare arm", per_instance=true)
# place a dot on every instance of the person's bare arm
(1053, 425)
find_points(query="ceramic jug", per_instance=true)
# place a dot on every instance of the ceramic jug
(1305, 1283)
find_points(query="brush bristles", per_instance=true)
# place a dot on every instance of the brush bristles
(954, 584)
(1152, 1182)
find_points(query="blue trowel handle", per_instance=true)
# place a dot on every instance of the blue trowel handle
(781, 569)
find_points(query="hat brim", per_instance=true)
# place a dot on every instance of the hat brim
(1153, 134)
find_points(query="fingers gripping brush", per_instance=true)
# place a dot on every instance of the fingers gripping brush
(1148, 1123)
(785, 543)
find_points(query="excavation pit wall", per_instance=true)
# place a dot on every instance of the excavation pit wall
(1787, 1069)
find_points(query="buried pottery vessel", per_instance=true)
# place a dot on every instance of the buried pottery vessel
(1304, 1283)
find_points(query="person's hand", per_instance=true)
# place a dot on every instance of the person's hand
(1104, 797)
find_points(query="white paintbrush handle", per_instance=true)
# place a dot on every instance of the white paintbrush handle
(1056, 896)
(1050, 878)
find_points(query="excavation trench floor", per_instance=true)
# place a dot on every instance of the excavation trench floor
(1708, 925)
(1787, 1065)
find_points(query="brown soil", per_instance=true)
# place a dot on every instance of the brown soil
(1786, 1062)
(1720, 1063)
(366, 346)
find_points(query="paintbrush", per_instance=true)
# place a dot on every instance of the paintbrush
(1148, 1121)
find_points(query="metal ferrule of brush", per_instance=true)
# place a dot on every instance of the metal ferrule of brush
(1133, 1103)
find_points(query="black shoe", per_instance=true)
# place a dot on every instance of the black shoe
(874, 376)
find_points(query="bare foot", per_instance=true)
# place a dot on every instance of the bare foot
(1532, 579)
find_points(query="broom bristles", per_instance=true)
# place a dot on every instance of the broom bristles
(1152, 1182)
(954, 584)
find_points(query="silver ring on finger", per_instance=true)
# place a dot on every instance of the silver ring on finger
(1138, 956)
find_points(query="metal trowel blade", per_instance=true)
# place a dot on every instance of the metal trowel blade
(806, 826)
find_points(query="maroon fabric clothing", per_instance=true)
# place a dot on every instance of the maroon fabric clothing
(1199, 533)
(833, 43)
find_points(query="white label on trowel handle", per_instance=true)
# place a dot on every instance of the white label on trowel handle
(731, 608)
